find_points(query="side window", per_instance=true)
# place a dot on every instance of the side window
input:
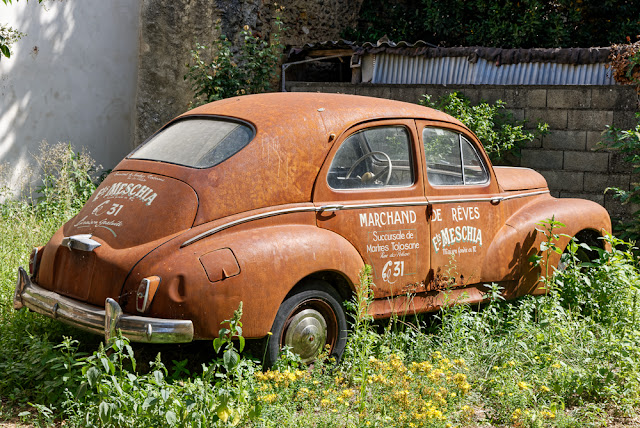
(474, 171)
(373, 158)
(451, 159)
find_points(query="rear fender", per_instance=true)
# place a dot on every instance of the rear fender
(272, 259)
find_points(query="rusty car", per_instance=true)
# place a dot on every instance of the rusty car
(279, 201)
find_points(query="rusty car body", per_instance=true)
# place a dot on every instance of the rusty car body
(278, 201)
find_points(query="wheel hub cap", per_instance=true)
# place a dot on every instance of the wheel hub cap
(306, 334)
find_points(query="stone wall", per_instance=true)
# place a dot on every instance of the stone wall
(568, 156)
(169, 29)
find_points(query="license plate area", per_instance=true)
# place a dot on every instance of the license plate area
(74, 272)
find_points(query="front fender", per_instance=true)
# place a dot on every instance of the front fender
(514, 244)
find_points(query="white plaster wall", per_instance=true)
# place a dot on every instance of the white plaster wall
(72, 78)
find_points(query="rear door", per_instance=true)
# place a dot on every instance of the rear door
(372, 193)
(466, 212)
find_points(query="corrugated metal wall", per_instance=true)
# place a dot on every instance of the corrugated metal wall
(400, 69)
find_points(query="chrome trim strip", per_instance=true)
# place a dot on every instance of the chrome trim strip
(338, 207)
(495, 199)
(246, 220)
(104, 321)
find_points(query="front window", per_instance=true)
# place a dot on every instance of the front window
(373, 158)
(197, 143)
(451, 159)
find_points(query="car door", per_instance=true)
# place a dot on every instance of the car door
(370, 191)
(465, 208)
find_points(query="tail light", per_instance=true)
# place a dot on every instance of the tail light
(34, 260)
(146, 291)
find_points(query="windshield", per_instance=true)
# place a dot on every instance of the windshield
(197, 143)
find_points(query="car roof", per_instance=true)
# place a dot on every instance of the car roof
(304, 111)
(280, 165)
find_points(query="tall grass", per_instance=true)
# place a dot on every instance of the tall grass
(566, 359)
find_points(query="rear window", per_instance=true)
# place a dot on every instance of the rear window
(197, 143)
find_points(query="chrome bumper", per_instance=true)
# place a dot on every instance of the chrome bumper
(97, 320)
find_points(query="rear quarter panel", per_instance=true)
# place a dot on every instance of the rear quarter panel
(273, 254)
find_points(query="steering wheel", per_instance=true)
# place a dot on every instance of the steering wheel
(373, 177)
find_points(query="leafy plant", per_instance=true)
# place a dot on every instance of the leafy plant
(248, 69)
(68, 180)
(626, 142)
(547, 247)
(362, 340)
(496, 128)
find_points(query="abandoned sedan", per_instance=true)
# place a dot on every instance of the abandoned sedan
(278, 201)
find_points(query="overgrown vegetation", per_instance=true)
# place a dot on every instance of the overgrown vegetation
(567, 359)
(248, 69)
(495, 126)
(505, 24)
(626, 142)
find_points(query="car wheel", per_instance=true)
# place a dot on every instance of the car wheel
(307, 321)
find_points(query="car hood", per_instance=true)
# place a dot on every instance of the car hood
(517, 178)
(130, 214)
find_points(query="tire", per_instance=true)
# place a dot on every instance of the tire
(314, 312)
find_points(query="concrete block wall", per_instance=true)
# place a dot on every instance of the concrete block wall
(568, 157)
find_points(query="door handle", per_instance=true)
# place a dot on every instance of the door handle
(330, 208)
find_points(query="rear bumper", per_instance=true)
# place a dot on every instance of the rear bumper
(104, 321)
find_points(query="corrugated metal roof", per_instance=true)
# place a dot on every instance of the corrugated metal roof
(402, 69)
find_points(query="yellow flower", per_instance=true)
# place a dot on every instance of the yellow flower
(511, 363)
(523, 385)
(516, 414)
(544, 389)
(547, 415)
(268, 398)
(348, 393)
(556, 365)
(460, 362)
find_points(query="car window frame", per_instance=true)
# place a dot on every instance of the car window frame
(249, 125)
(461, 139)
(323, 192)
(489, 188)
(363, 141)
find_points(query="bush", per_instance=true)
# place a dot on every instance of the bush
(500, 134)
(249, 69)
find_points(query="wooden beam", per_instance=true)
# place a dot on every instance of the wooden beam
(329, 52)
